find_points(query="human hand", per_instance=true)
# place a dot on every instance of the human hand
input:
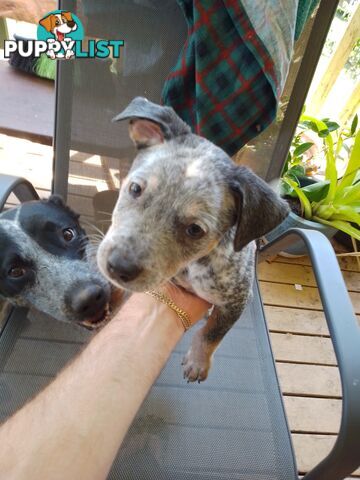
(193, 305)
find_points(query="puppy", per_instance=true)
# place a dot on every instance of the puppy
(59, 24)
(186, 212)
(44, 264)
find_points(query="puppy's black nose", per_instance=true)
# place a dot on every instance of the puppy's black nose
(88, 300)
(71, 23)
(120, 268)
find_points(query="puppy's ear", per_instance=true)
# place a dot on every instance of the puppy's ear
(67, 15)
(57, 200)
(47, 22)
(152, 124)
(258, 208)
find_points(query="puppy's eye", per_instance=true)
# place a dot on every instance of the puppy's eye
(135, 190)
(69, 234)
(57, 22)
(16, 272)
(195, 231)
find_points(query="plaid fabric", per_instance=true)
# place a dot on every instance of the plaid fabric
(305, 9)
(224, 83)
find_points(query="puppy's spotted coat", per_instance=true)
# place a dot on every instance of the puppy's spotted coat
(186, 212)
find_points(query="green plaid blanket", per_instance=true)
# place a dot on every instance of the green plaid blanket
(225, 83)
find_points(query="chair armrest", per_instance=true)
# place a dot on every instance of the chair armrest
(344, 458)
(21, 188)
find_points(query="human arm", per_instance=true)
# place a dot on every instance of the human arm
(73, 429)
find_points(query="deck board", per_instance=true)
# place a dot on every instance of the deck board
(299, 379)
(347, 264)
(291, 320)
(307, 297)
(300, 274)
(309, 415)
(310, 449)
(303, 349)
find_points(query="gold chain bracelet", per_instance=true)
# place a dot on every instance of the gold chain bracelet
(184, 317)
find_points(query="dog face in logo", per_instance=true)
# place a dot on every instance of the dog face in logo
(59, 25)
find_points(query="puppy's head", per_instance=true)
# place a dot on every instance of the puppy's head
(59, 24)
(43, 263)
(181, 197)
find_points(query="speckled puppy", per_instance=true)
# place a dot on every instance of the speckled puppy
(186, 212)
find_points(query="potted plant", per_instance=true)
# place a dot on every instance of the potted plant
(329, 204)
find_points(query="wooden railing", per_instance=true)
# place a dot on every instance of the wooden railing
(334, 68)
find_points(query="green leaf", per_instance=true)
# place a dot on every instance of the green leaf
(330, 170)
(346, 217)
(306, 205)
(339, 145)
(317, 191)
(296, 171)
(286, 190)
(354, 124)
(316, 125)
(353, 165)
(287, 163)
(347, 213)
(332, 126)
(324, 133)
(340, 225)
(324, 211)
(302, 148)
(348, 195)
(357, 177)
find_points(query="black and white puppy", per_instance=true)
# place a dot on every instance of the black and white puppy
(44, 264)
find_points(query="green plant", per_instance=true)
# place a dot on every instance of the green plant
(298, 164)
(333, 201)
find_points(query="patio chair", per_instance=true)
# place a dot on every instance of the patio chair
(233, 426)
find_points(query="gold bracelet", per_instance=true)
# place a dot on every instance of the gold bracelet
(184, 317)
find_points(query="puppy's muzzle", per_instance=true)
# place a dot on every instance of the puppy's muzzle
(122, 268)
(88, 302)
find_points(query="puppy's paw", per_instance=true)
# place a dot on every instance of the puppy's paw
(195, 369)
(197, 361)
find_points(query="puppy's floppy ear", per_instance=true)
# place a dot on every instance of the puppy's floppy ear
(47, 22)
(258, 208)
(152, 124)
(67, 15)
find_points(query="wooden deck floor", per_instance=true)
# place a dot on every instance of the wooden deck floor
(304, 356)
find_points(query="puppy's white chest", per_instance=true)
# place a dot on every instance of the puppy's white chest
(198, 279)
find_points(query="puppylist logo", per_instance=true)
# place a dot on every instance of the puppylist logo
(60, 35)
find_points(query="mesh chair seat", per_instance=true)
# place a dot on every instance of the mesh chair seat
(232, 426)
